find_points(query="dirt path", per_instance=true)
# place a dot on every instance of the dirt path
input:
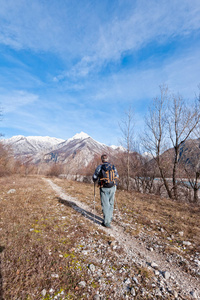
(187, 285)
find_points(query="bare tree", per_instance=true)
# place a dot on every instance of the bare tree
(170, 122)
(190, 158)
(154, 139)
(127, 130)
(182, 122)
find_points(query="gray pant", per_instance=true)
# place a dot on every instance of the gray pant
(107, 202)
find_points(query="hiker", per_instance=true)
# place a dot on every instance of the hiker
(107, 177)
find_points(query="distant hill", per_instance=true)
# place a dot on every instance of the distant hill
(189, 155)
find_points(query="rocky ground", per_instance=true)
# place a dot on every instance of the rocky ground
(157, 274)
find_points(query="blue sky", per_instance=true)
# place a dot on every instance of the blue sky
(70, 66)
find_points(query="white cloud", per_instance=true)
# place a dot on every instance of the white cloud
(77, 30)
(16, 99)
(148, 22)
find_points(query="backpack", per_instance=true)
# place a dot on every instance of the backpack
(108, 177)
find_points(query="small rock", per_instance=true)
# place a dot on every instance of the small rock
(135, 280)
(154, 265)
(197, 262)
(101, 279)
(158, 292)
(127, 281)
(92, 267)
(82, 284)
(43, 292)
(166, 275)
(96, 297)
(181, 233)
(12, 191)
(54, 275)
(51, 291)
(193, 294)
(186, 243)
(156, 272)
(133, 293)
(175, 294)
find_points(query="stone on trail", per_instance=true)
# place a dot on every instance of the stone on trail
(82, 284)
(166, 275)
(133, 293)
(92, 267)
(12, 191)
(194, 294)
(43, 292)
(154, 265)
(186, 243)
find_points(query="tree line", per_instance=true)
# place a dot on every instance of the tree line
(172, 140)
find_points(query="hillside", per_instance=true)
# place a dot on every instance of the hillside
(53, 247)
(188, 157)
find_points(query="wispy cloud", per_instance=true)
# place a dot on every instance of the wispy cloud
(85, 61)
(148, 22)
(77, 32)
(16, 99)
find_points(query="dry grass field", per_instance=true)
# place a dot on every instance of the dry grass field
(164, 218)
(41, 237)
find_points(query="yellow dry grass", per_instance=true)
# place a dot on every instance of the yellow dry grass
(41, 240)
(148, 213)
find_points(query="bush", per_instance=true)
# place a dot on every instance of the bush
(55, 170)
(4, 161)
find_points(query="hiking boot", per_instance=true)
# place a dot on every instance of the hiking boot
(106, 225)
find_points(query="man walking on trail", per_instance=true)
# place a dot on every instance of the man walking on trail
(107, 177)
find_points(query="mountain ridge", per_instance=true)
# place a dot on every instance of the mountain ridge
(75, 153)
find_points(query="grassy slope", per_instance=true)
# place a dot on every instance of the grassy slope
(41, 239)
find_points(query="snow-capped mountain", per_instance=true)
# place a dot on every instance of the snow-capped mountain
(78, 152)
(75, 153)
(79, 136)
(31, 145)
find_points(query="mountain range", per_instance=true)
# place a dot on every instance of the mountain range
(75, 153)
(80, 152)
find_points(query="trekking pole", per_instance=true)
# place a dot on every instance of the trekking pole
(94, 204)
